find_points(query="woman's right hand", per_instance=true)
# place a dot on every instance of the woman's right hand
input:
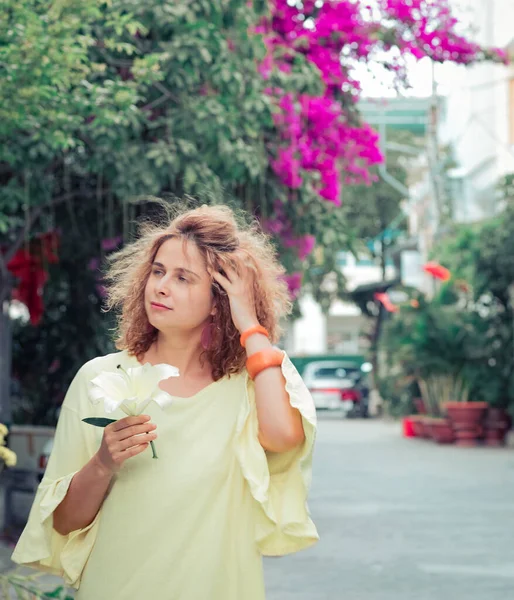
(124, 439)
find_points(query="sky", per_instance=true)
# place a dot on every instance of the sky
(375, 82)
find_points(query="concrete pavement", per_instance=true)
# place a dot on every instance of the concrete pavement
(402, 519)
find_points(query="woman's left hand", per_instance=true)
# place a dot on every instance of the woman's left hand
(239, 290)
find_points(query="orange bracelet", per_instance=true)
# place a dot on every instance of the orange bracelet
(271, 357)
(256, 329)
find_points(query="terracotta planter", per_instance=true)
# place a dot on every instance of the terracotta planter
(417, 426)
(442, 431)
(425, 426)
(466, 419)
(497, 424)
(407, 428)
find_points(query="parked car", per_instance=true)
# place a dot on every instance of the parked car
(338, 385)
(43, 458)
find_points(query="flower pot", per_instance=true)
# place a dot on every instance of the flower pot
(497, 424)
(417, 426)
(466, 419)
(424, 421)
(407, 427)
(442, 431)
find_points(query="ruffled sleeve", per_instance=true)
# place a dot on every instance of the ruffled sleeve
(279, 482)
(40, 546)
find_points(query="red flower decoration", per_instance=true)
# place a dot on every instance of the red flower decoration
(437, 271)
(28, 266)
(384, 299)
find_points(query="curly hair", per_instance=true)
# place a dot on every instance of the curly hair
(222, 242)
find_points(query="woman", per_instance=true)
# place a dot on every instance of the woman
(234, 445)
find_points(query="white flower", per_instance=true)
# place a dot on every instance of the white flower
(132, 389)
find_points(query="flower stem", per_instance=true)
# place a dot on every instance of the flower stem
(154, 453)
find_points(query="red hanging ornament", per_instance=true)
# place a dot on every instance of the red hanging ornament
(437, 271)
(27, 266)
(385, 300)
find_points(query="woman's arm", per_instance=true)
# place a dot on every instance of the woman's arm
(280, 425)
(84, 499)
(121, 440)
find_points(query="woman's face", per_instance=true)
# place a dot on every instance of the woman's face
(179, 281)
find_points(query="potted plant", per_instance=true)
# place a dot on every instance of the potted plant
(438, 341)
(437, 390)
(467, 420)
(492, 383)
(466, 416)
(418, 427)
(497, 424)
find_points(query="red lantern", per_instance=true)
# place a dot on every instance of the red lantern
(437, 271)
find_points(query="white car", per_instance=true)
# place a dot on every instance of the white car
(336, 385)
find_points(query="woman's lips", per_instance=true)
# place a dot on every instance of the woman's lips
(158, 306)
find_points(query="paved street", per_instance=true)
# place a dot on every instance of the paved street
(403, 519)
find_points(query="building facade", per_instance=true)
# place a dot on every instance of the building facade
(478, 123)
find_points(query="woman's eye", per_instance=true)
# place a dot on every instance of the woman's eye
(183, 279)
(157, 272)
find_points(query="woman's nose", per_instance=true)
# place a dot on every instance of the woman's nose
(162, 288)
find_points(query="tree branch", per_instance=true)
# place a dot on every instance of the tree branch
(162, 88)
(34, 216)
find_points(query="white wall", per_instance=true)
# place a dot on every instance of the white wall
(308, 334)
(477, 120)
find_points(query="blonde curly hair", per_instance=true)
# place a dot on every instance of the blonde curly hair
(222, 242)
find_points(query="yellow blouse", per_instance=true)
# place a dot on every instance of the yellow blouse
(190, 525)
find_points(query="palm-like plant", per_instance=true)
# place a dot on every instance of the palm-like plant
(438, 389)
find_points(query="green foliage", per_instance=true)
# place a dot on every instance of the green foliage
(131, 98)
(480, 258)
(73, 329)
(398, 392)
(103, 103)
(434, 339)
(323, 277)
(99, 421)
(453, 339)
(374, 214)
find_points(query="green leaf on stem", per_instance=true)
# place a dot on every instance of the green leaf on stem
(99, 421)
